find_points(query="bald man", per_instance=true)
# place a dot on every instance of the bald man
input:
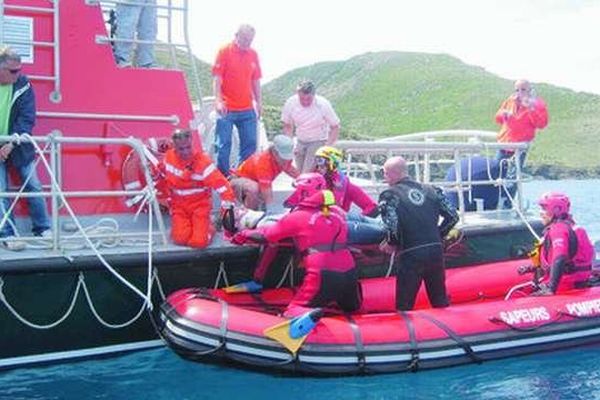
(411, 211)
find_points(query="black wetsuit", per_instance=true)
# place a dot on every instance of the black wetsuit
(411, 212)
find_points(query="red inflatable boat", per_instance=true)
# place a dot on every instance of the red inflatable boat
(491, 317)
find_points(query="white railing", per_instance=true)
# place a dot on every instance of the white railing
(430, 153)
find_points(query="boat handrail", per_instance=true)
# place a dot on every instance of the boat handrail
(166, 10)
(430, 153)
(55, 143)
(470, 134)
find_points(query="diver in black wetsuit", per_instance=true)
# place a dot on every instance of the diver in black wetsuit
(411, 211)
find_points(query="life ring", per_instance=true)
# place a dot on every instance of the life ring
(132, 174)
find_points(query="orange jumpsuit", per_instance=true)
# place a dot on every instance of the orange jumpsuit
(191, 183)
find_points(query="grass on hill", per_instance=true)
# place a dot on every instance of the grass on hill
(392, 93)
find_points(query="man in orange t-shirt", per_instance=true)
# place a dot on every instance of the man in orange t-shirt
(237, 76)
(252, 182)
(520, 116)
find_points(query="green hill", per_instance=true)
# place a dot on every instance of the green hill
(391, 93)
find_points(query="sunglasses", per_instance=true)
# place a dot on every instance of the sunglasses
(321, 162)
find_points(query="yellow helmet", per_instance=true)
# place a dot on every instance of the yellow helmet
(331, 156)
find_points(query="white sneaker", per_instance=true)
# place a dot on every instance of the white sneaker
(47, 234)
(124, 64)
(13, 244)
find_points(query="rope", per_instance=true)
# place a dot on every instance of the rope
(100, 319)
(222, 274)
(30, 324)
(81, 284)
(520, 213)
(66, 204)
(390, 264)
(288, 270)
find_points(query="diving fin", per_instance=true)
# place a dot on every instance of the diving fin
(291, 334)
(244, 287)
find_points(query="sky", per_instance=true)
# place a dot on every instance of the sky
(550, 41)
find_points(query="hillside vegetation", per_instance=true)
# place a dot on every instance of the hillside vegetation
(391, 93)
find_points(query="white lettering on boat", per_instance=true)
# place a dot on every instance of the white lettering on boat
(525, 316)
(584, 308)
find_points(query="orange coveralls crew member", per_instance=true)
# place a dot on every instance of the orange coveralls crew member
(252, 181)
(191, 176)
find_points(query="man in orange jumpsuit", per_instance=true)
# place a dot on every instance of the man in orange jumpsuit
(191, 177)
(253, 180)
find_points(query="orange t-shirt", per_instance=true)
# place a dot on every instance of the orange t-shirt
(237, 70)
(260, 167)
(522, 123)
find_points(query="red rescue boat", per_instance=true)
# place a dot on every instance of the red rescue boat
(483, 323)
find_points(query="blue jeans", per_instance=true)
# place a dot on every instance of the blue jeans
(511, 171)
(245, 122)
(364, 230)
(131, 19)
(37, 205)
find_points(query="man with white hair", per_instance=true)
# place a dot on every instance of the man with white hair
(519, 117)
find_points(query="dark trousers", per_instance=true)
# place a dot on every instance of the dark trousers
(413, 267)
(338, 287)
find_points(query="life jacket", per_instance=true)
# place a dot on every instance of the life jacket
(581, 252)
(339, 187)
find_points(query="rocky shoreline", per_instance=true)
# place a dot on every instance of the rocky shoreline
(554, 172)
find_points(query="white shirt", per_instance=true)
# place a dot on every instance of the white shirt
(312, 123)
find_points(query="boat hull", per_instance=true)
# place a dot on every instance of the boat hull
(205, 325)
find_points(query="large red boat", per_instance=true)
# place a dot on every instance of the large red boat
(109, 260)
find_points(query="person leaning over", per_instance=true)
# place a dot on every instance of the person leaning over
(191, 177)
(253, 180)
(314, 121)
(411, 212)
(17, 117)
(519, 116)
(140, 17)
(237, 92)
(319, 231)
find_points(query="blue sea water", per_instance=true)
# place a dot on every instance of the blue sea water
(159, 374)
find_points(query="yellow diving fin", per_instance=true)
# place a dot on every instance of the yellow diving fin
(291, 334)
(244, 287)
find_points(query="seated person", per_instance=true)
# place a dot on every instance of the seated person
(566, 252)
(362, 228)
(319, 231)
(190, 177)
(477, 197)
(252, 180)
